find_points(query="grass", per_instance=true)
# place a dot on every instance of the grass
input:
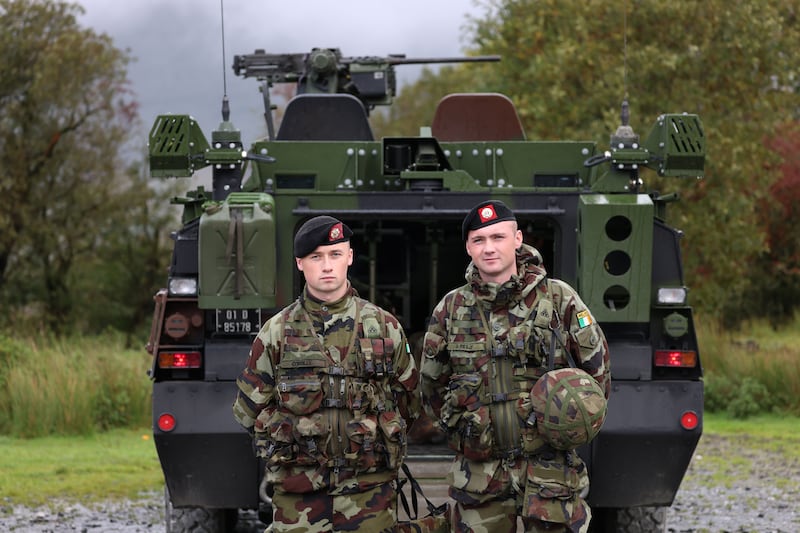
(120, 463)
(63, 386)
(752, 370)
(80, 385)
(734, 450)
(772, 427)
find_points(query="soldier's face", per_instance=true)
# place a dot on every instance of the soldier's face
(493, 250)
(325, 270)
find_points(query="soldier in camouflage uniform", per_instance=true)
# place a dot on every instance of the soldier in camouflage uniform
(328, 394)
(487, 344)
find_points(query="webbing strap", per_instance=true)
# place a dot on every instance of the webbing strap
(236, 238)
(555, 335)
(500, 394)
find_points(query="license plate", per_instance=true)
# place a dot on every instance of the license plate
(238, 321)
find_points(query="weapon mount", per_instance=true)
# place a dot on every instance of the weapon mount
(325, 71)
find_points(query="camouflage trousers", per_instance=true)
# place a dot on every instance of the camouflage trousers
(543, 493)
(496, 516)
(373, 509)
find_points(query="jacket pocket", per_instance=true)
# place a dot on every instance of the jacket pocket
(363, 434)
(311, 438)
(476, 435)
(553, 486)
(275, 437)
(300, 396)
(477, 478)
(466, 419)
(393, 428)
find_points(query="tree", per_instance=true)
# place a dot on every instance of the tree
(114, 286)
(776, 292)
(65, 115)
(416, 104)
(568, 64)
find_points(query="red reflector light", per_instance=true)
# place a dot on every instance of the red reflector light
(689, 420)
(166, 422)
(676, 358)
(179, 360)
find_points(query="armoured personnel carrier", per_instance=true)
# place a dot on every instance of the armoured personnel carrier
(585, 208)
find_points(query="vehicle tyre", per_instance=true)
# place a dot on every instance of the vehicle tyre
(195, 519)
(630, 520)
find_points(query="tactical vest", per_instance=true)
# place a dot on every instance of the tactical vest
(339, 414)
(487, 407)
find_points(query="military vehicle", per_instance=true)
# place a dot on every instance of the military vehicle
(584, 207)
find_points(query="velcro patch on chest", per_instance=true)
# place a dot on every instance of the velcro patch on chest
(544, 313)
(371, 327)
(467, 346)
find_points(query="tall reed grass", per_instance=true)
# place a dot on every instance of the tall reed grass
(71, 386)
(80, 385)
(753, 369)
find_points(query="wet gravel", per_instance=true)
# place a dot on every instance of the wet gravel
(733, 485)
(128, 516)
(738, 485)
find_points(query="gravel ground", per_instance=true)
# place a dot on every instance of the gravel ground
(146, 514)
(733, 485)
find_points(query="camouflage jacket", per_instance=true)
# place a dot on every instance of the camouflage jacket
(488, 343)
(328, 393)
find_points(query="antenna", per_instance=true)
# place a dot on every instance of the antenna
(226, 110)
(625, 113)
(625, 137)
(625, 49)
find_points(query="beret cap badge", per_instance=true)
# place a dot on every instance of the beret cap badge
(336, 232)
(487, 213)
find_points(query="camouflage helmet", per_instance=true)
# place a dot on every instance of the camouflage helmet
(569, 407)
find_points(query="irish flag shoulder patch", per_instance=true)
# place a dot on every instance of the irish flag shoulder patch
(584, 319)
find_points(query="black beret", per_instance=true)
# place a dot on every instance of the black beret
(319, 231)
(485, 214)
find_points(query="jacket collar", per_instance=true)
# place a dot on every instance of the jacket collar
(530, 271)
(315, 306)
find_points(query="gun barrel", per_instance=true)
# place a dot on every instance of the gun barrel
(403, 60)
(470, 59)
(288, 67)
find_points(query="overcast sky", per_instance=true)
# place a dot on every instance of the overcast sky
(177, 45)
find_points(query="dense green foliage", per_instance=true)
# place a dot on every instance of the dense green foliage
(568, 64)
(776, 289)
(81, 230)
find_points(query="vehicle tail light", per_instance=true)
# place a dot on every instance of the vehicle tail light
(166, 422)
(179, 360)
(676, 358)
(689, 420)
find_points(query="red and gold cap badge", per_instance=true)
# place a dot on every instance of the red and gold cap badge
(335, 233)
(487, 213)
